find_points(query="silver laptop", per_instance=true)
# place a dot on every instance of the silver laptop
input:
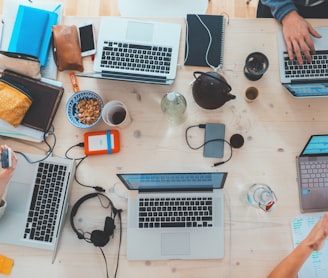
(135, 50)
(37, 202)
(312, 169)
(175, 215)
(309, 79)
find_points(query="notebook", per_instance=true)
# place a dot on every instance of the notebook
(204, 40)
(309, 79)
(46, 99)
(33, 23)
(135, 50)
(175, 215)
(312, 170)
(36, 220)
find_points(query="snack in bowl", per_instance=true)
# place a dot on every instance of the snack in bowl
(83, 109)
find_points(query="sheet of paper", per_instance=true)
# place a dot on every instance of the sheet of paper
(316, 266)
(20, 132)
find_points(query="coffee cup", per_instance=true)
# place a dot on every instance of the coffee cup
(256, 65)
(251, 94)
(115, 114)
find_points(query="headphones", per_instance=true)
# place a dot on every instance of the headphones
(99, 238)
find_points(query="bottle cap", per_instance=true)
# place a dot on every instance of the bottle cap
(171, 96)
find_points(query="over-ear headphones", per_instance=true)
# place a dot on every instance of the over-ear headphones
(98, 237)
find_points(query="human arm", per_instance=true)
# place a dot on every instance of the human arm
(297, 31)
(315, 240)
(5, 176)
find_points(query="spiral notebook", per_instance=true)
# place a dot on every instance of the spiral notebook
(204, 40)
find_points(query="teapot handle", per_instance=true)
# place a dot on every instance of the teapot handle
(217, 78)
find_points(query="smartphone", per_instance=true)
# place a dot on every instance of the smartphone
(87, 38)
(6, 158)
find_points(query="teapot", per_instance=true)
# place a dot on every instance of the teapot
(210, 90)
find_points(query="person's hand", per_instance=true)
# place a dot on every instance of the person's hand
(6, 173)
(297, 33)
(316, 238)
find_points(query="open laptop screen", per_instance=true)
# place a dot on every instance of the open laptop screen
(317, 145)
(176, 181)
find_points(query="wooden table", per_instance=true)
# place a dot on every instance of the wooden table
(275, 127)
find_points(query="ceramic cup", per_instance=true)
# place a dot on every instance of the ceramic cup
(256, 65)
(251, 94)
(115, 114)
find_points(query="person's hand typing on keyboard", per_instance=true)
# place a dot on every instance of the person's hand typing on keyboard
(298, 34)
(315, 240)
(297, 30)
(5, 175)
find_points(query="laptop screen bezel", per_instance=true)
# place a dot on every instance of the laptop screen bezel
(221, 186)
(308, 142)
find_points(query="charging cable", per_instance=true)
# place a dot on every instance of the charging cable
(206, 142)
(81, 159)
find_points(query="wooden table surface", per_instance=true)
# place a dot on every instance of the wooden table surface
(275, 128)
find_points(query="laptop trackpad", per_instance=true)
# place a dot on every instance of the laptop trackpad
(175, 244)
(17, 196)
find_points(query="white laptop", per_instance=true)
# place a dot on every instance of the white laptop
(30, 219)
(309, 79)
(135, 50)
(175, 215)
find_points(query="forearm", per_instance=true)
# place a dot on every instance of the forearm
(280, 8)
(290, 265)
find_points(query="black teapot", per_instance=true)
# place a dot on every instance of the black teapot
(210, 90)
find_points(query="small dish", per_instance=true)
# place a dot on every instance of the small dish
(91, 111)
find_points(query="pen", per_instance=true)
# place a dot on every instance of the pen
(2, 30)
(57, 8)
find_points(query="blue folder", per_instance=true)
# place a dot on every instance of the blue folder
(32, 32)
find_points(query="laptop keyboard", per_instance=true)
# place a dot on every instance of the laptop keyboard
(316, 69)
(314, 173)
(175, 212)
(134, 57)
(45, 203)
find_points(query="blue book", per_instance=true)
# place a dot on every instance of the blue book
(32, 32)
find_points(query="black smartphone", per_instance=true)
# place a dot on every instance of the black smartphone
(6, 158)
(87, 38)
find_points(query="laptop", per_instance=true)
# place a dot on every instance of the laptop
(175, 215)
(37, 202)
(312, 170)
(309, 79)
(136, 50)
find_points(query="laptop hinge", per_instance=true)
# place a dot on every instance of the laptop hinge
(136, 77)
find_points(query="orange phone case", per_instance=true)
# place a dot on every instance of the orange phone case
(102, 142)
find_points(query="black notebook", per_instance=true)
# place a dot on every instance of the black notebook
(46, 99)
(200, 44)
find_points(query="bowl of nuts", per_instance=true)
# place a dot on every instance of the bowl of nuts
(83, 109)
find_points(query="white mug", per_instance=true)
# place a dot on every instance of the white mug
(115, 114)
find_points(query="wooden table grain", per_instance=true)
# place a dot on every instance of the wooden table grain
(275, 128)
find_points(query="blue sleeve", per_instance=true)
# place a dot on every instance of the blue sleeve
(279, 8)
